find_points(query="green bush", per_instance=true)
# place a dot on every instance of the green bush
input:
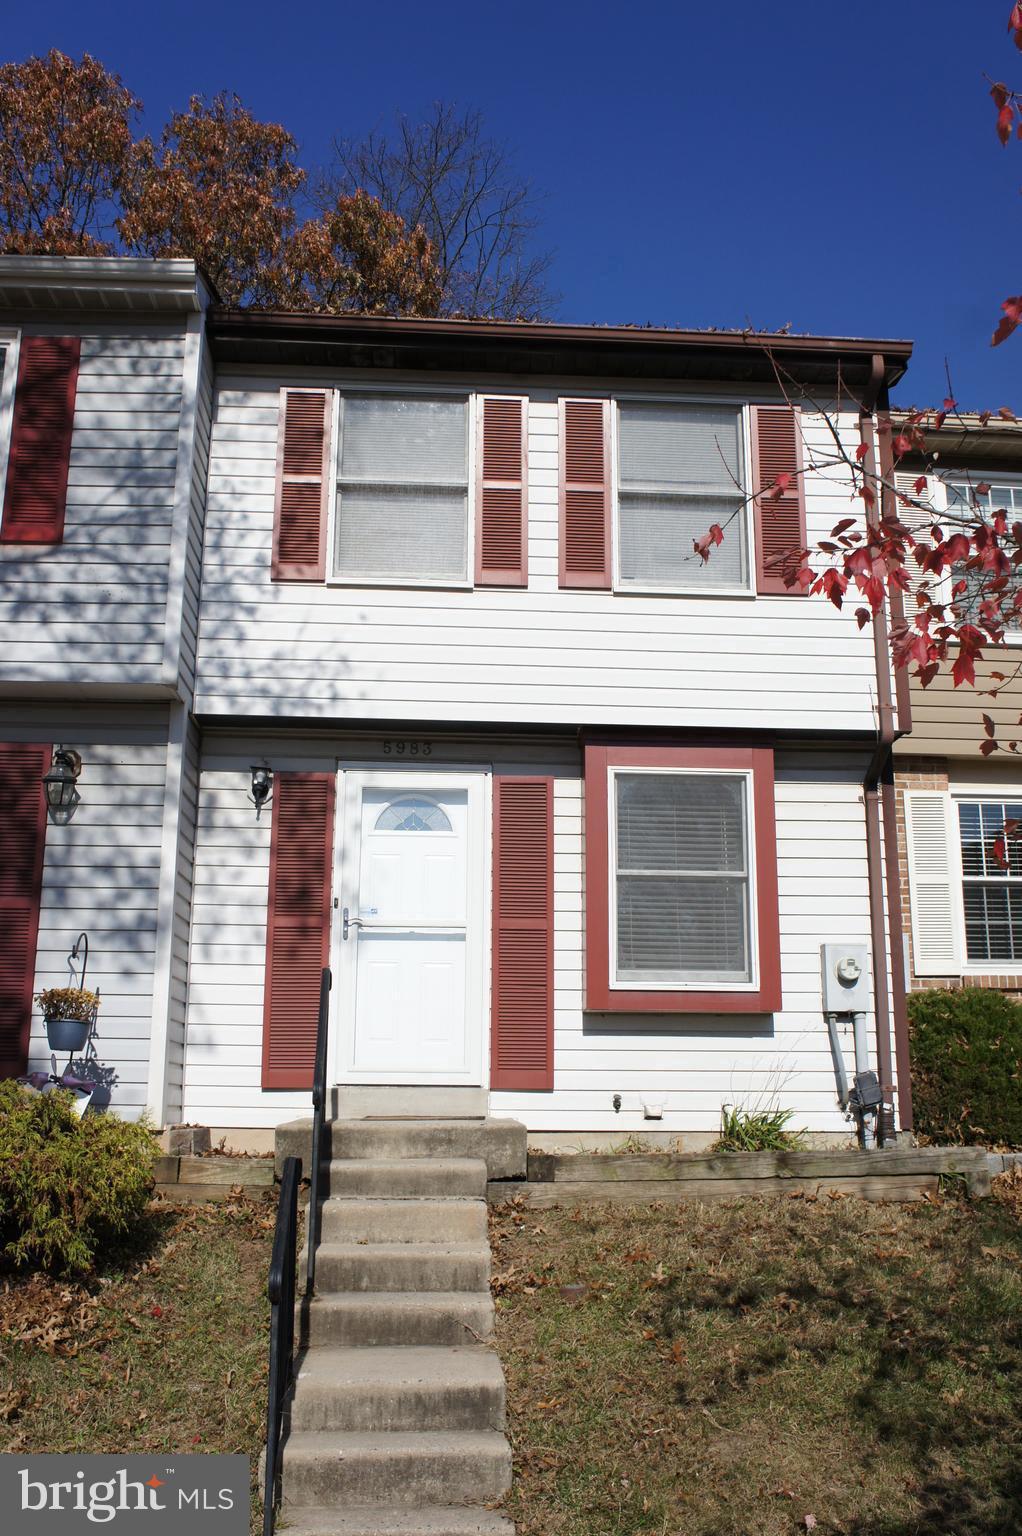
(967, 1066)
(70, 1186)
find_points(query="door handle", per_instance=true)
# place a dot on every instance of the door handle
(348, 922)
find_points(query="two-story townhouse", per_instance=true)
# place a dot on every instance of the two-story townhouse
(568, 811)
(962, 898)
(105, 404)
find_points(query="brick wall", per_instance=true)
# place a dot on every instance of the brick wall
(930, 773)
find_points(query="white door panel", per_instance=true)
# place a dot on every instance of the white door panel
(410, 1004)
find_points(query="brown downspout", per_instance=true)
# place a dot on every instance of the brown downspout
(888, 794)
(871, 790)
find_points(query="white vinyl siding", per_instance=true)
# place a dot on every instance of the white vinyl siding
(680, 471)
(93, 608)
(680, 881)
(691, 1064)
(101, 873)
(541, 656)
(402, 489)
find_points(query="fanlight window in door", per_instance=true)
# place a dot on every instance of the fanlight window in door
(412, 813)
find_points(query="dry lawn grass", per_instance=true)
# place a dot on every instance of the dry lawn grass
(164, 1351)
(757, 1368)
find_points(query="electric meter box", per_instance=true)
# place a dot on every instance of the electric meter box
(846, 983)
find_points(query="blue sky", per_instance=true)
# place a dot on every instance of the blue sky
(834, 167)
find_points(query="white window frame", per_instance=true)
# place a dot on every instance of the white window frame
(625, 984)
(745, 437)
(969, 967)
(403, 392)
(10, 343)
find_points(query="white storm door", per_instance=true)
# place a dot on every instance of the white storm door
(410, 930)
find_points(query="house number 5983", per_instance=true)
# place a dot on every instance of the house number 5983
(408, 749)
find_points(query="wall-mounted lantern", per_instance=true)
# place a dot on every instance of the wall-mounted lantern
(262, 785)
(60, 785)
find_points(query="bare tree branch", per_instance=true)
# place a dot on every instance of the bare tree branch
(446, 175)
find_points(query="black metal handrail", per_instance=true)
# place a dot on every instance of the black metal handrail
(281, 1290)
(318, 1123)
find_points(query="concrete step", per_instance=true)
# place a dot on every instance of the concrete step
(409, 1178)
(409, 1468)
(396, 1317)
(501, 1144)
(404, 1221)
(353, 1101)
(399, 1389)
(393, 1521)
(403, 1267)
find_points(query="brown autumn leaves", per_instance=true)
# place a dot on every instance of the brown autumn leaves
(217, 185)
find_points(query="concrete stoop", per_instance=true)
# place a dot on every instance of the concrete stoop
(397, 1421)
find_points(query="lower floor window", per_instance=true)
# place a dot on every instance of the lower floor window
(681, 882)
(991, 879)
(681, 908)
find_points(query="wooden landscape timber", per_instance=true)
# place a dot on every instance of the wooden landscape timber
(198, 1179)
(902, 1174)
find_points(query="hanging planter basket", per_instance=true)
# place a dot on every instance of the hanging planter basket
(69, 1014)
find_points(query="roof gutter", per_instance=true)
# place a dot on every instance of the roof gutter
(879, 802)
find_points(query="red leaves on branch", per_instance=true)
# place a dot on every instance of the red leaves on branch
(1015, 25)
(1012, 314)
(1004, 102)
(702, 546)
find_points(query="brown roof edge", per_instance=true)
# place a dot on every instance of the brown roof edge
(964, 440)
(246, 332)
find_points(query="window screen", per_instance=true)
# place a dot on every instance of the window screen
(991, 892)
(402, 489)
(680, 469)
(682, 878)
(962, 499)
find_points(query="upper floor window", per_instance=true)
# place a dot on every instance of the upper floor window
(680, 470)
(402, 506)
(962, 497)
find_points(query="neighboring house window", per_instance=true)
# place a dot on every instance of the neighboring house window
(681, 880)
(991, 880)
(402, 489)
(680, 885)
(963, 498)
(680, 470)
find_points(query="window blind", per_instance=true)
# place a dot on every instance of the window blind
(682, 878)
(991, 893)
(680, 469)
(402, 504)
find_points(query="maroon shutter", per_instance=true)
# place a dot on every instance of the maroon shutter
(780, 523)
(298, 924)
(22, 836)
(501, 501)
(35, 494)
(303, 485)
(522, 1028)
(585, 493)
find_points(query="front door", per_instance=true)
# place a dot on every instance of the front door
(410, 931)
